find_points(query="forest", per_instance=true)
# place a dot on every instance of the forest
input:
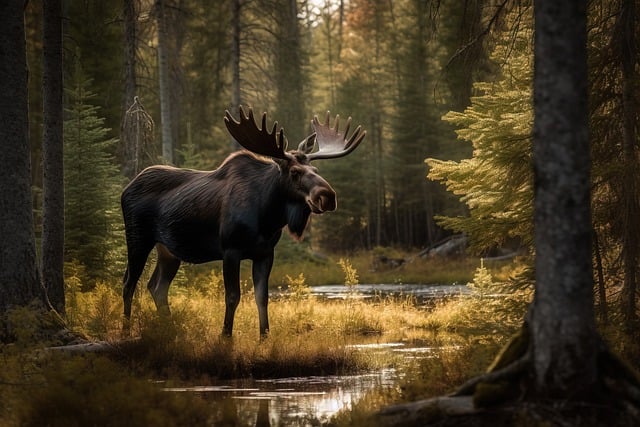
(510, 125)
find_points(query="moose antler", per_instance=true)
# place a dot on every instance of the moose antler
(331, 142)
(254, 139)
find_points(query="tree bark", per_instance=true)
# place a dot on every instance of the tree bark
(288, 69)
(236, 98)
(130, 146)
(165, 91)
(52, 157)
(19, 276)
(631, 203)
(561, 318)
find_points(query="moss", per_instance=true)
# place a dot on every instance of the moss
(513, 350)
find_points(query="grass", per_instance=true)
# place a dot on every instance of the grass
(308, 337)
(415, 270)
(326, 270)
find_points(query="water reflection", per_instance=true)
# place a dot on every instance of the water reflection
(305, 401)
(420, 292)
(312, 401)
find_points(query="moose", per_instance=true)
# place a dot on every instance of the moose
(235, 212)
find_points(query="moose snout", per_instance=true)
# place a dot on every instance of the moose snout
(322, 199)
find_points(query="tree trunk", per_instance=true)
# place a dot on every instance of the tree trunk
(558, 358)
(631, 204)
(130, 146)
(165, 91)
(19, 278)
(52, 156)
(561, 319)
(236, 98)
(288, 69)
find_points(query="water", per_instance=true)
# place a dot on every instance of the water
(312, 401)
(420, 292)
(303, 401)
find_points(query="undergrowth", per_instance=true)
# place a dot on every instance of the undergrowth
(308, 337)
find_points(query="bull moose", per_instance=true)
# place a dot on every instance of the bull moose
(234, 212)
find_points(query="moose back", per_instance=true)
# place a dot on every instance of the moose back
(232, 213)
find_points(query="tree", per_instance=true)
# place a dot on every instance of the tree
(130, 148)
(94, 36)
(363, 89)
(92, 185)
(461, 33)
(288, 69)
(206, 61)
(626, 37)
(165, 82)
(564, 341)
(496, 183)
(19, 276)
(559, 353)
(417, 131)
(52, 157)
(236, 100)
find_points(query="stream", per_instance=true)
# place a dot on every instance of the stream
(312, 401)
(304, 401)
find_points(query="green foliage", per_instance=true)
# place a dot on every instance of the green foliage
(378, 62)
(496, 183)
(191, 157)
(93, 222)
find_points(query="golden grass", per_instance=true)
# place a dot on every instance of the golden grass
(308, 336)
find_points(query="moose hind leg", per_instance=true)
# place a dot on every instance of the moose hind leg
(165, 271)
(136, 259)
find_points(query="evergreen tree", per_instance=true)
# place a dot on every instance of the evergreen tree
(92, 185)
(93, 29)
(362, 93)
(496, 183)
(615, 141)
(417, 131)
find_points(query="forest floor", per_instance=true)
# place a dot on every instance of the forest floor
(309, 337)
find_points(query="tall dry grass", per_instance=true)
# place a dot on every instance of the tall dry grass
(308, 336)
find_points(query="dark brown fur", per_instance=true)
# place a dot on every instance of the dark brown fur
(233, 213)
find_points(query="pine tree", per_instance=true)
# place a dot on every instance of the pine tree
(417, 131)
(92, 185)
(496, 183)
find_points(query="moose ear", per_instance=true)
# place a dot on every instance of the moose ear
(307, 144)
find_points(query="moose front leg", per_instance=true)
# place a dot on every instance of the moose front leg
(231, 275)
(261, 271)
